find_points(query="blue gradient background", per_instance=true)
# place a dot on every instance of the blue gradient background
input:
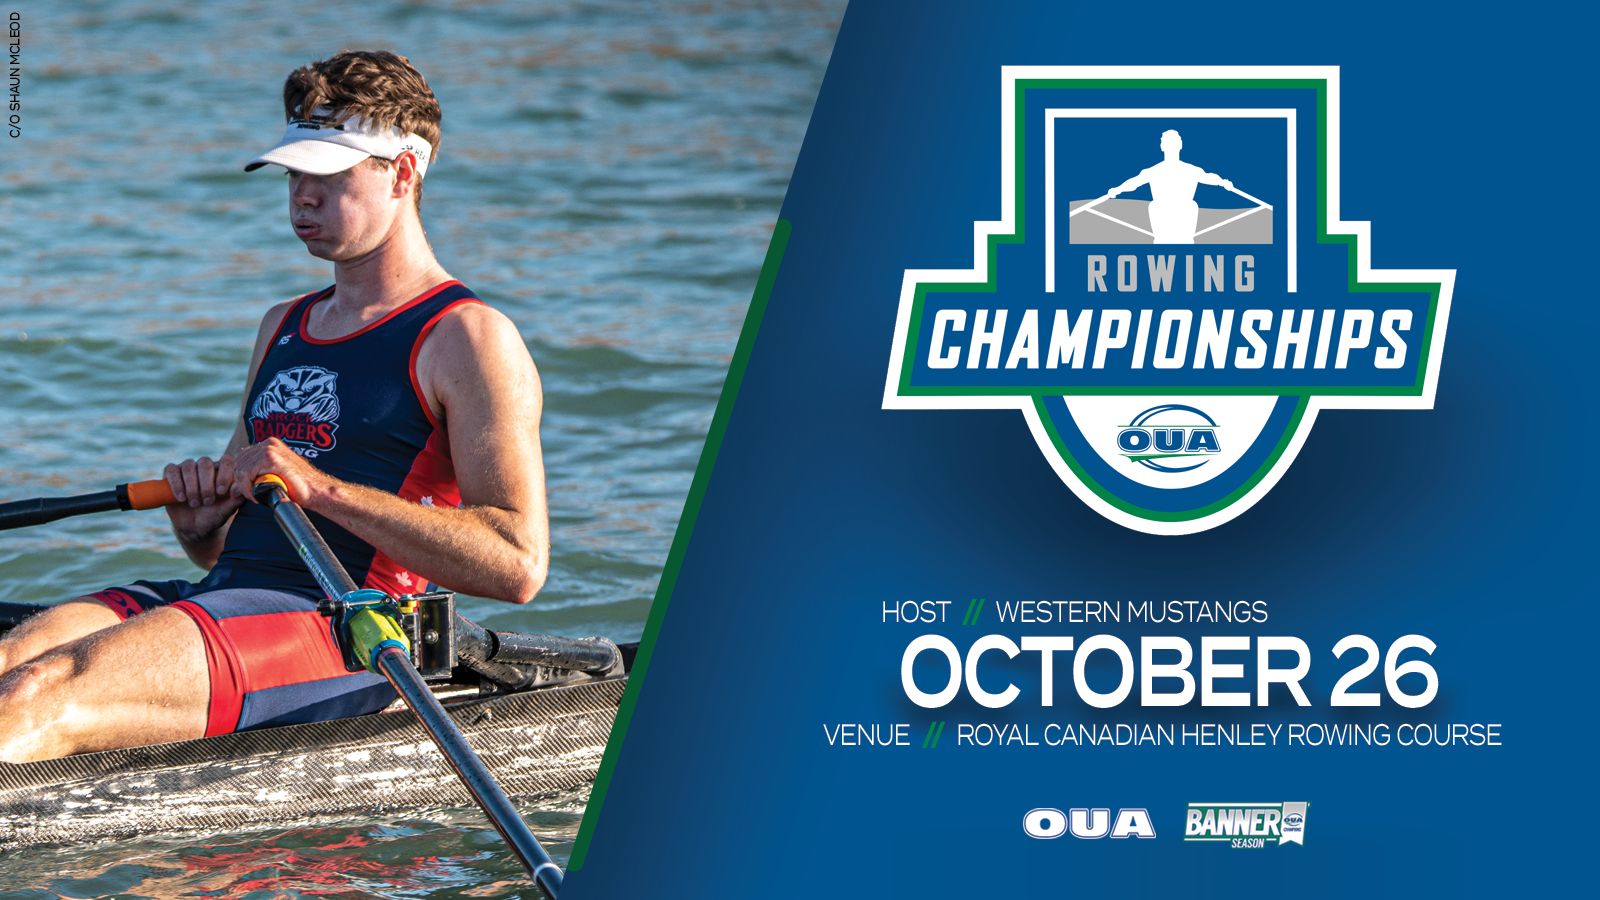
(1462, 523)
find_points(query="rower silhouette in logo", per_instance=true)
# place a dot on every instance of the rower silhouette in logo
(1174, 214)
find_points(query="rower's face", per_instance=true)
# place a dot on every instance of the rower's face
(344, 215)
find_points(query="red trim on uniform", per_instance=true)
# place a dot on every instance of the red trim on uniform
(120, 602)
(283, 648)
(289, 313)
(432, 478)
(227, 674)
(416, 350)
(305, 317)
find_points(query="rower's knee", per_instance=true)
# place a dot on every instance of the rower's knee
(25, 707)
(26, 683)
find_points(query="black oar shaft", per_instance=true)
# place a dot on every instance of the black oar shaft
(135, 495)
(474, 775)
(397, 667)
(316, 553)
(23, 513)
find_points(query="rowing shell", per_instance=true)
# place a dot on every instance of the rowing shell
(537, 743)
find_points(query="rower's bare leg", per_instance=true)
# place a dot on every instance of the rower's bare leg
(140, 682)
(55, 627)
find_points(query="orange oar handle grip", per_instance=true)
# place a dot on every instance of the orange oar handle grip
(149, 494)
(154, 494)
(270, 478)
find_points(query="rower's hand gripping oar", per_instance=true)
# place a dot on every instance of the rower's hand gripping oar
(371, 633)
(137, 495)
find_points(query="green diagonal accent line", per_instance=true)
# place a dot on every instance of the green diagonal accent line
(680, 540)
(930, 735)
(977, 612)
(971, 604)
(938, 734)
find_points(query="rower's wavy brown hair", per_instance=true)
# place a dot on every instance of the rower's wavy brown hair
(379, 86)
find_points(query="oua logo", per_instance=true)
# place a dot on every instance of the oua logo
(1157, 448)
(1170, 296)
(1047, 822)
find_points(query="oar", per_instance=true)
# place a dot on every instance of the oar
(1259, 206)
(137, 495)
(380, 636)
(1257, 201)
(1089, 207)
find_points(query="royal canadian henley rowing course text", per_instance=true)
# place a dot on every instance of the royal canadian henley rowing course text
(1225, 670)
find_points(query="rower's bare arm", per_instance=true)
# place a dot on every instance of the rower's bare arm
(206, 501)
(480, 382)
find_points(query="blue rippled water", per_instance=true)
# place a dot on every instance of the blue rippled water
(609, 177)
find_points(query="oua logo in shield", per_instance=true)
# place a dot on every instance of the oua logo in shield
(1170, 296)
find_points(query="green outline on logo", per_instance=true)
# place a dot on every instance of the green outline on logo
(904, 388)
(1187, 515)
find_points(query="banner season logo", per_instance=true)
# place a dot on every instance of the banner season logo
(1170, 296)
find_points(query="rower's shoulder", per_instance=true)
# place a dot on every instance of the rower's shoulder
(275, 313)
(477, 332)
(475, 319)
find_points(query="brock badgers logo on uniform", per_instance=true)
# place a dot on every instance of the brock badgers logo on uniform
(1170, 296)
(300, 407)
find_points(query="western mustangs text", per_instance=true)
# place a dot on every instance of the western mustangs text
(1045, 612)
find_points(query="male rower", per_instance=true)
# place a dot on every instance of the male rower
(1173, 213)
(402, 413)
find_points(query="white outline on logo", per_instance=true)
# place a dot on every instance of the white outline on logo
(981, 231)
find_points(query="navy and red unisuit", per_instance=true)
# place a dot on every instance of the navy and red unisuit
(352, 406)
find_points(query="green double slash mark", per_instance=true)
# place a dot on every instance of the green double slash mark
(936, 729)
(974, 610)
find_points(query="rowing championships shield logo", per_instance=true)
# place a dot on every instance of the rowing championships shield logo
(1170, 296)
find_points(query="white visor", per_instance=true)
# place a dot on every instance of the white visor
(317, 146)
